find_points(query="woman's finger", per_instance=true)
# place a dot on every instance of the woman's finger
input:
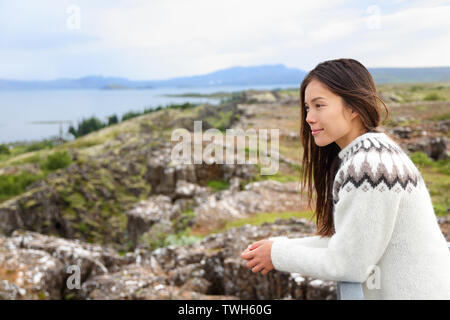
(252, 263)
(255, 245)
(258, 268)
(247, 254)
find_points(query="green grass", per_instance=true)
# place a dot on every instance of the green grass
(159, 239)
(12, 185)
(181, 239)
(267, 217)
(4, 149)
(44, 144)
(279, 176)
(420, 159)
(221, 121)
(22, 148)
(440, 117)
(282, 178)
(423, 91)
(58, 160)
(438, 186)
(432, 96)
(218, 185)
(437, 179)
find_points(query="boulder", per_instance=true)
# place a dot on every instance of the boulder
(36, 266)
(444, 224)
(213, 266)
(29, 274)
(163, 174)
(402, 132)
(37, 211)
(157, 209)
(258, 197)
(434, 147)
(135, 282)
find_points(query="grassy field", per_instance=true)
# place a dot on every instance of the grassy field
(258, 219)
(405, 92)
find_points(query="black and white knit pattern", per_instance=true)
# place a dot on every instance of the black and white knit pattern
(375, 162)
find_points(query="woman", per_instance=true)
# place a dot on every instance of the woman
(374, 214)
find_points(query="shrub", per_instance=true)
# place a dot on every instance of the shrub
(184, 106)
(4, 149)
(439, 209)
(112, 120)
(442, 166)
(416, 88)
(432, 97)
(130, 114)
(180, 239)
(182, 222)
(86, 126)
(45, 144)
(420, 159)
(218, 185)
(12, 185)
(57, 160)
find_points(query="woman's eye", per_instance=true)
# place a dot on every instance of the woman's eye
(317, 105)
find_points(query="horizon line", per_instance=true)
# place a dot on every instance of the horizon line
(194, 75)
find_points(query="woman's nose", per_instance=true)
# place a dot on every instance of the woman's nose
(310, 118)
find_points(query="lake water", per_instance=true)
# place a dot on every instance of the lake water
(20, 108)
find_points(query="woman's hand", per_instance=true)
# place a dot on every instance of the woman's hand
(258, 254)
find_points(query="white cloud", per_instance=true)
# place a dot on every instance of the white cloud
(413, 37)
(166, 38)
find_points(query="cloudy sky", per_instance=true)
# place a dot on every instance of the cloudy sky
(160, 39)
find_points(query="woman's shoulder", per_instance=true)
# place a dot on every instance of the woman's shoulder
(374, 160)
(372, 142)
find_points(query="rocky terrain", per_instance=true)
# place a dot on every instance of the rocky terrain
(138, 226)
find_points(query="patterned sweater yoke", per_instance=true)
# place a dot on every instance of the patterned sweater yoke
(375, 162)
(384, 224)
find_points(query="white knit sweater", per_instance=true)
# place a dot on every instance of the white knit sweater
(387, 235)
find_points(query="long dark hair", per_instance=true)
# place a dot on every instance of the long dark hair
(350, 80)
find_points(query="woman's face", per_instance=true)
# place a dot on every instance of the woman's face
(327, 114)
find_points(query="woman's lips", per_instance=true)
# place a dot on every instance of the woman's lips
(314, 132)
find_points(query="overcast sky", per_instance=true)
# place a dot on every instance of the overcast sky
(160, 39)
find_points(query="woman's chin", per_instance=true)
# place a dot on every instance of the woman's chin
(320, 142)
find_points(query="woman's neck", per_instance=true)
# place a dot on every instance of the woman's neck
(352, 135)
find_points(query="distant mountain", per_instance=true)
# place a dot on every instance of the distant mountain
(254, 75)
(235, 76)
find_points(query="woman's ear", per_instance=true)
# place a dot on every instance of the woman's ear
(349, 113)
(354, 114)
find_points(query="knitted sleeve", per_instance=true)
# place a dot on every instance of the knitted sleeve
(367, 192)
(314, 241)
